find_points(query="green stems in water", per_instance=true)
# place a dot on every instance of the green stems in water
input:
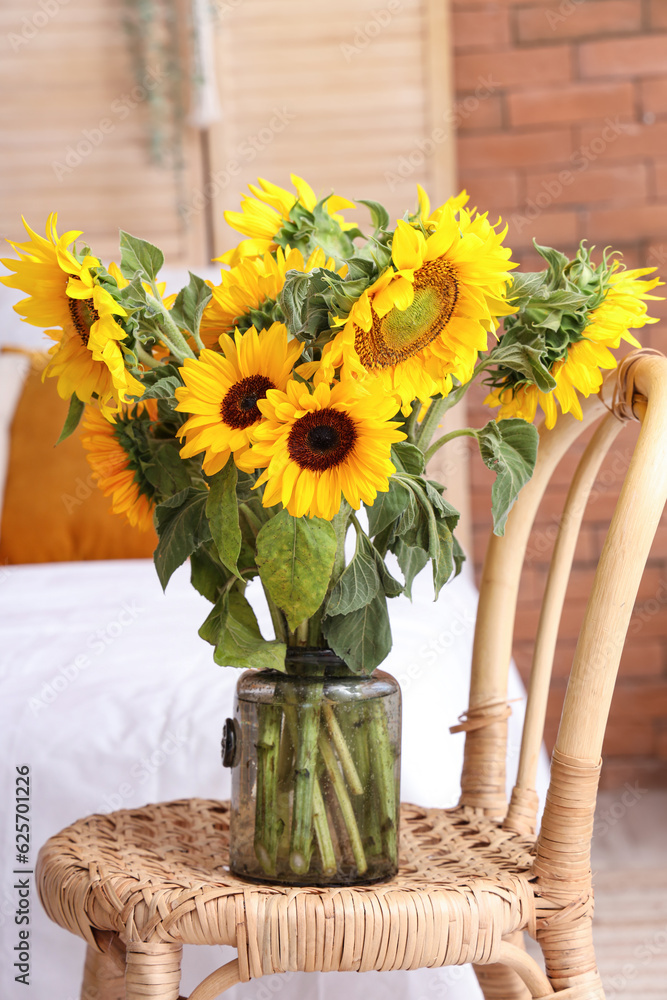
(382, 762)
(268, 827)
(308, 729)
(347, 812)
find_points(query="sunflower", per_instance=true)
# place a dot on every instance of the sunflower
(66, 296)
(579, 370)
(426, 317)
(455, 203)
(263, 217)
(247, 295)
(317, 447)
(222, 391)
(111, 449)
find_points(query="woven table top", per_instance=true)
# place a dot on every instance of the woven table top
(160, 874)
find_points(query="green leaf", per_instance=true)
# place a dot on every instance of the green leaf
(522, 351)
(232, 628)
(508, 448)
(167, 471)
(182, 527)
(206, 574)
(190, 303)
(391, 586)
(387, 507)
(556, 260)
(408, 458)
(165, 388)
(443, 563)
(358, 584)
(222, 511)
(74, 414)
(379, 214)
(412, 561)
(139, 255)
(459, 557)
(361, 638)
(295, 557)
(329, 235)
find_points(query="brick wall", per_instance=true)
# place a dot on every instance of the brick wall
(563, 131)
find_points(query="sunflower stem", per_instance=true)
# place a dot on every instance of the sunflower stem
(254, 522)
(438, 443)
(437, 410)
(342, 749)
(267, 824)
(305, 776)
(146, 358)
(173, 338)
(320, 818)
(338, 784)
(382, 763)
(412, 420)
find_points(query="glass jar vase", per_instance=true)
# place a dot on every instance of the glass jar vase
(315, 758)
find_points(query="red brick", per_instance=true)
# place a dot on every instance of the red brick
(599, 17)
(625, 737)
(653, 94)
(656, 256)
(645, 659)
(617, 771)
(618, 183)
(658, 13)
(661, 183)
(578, 102)
(492, 192)
(524, 149)
(621, 140)
(616, 223)
(639, 56)
(548, 228)
(488, 29)
(490, 4)
(486, 114)
(520, 68)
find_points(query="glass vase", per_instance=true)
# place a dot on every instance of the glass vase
(315, 758)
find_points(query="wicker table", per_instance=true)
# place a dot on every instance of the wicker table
(156, 878)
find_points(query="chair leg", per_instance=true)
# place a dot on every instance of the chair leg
(102, 978)
(569, 958)
(153, 971)
(499, 982)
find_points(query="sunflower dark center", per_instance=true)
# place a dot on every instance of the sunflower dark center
(321, 440)
(83, 314)
(403, 333)
(239, 407)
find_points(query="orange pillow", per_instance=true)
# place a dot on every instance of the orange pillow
(52, 510)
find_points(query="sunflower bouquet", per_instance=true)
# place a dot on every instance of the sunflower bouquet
(259, 421)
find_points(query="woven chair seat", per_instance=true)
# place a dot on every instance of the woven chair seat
(159, 874)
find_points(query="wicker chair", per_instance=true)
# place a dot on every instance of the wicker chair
(138, 884)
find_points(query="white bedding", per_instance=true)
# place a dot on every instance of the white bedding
(110, 697)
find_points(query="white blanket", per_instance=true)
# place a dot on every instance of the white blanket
(112, 700)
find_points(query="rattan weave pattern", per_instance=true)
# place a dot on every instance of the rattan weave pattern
(158, 874)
